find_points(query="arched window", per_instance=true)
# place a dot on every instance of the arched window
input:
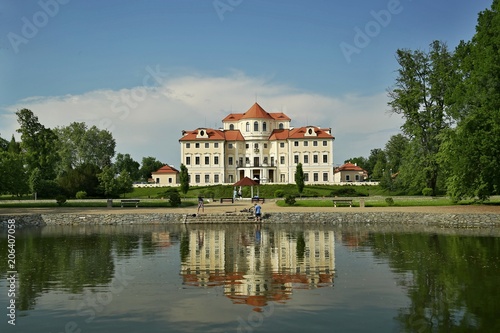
(264, 127)
(248, 127)
(256, 126)
(280, 126)
(231, 127)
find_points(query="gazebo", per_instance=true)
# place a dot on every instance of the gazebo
(246, 181)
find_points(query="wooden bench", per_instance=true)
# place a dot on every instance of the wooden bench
(342, 201)
(130, 201)
(226, 199)
(262, 200)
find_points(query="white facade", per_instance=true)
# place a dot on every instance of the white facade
(259, 145)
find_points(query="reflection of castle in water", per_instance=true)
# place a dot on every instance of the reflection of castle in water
(257, 266)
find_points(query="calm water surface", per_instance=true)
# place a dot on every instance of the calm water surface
(236, 278)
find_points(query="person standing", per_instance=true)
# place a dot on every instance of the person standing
(258, 213)
(201, 204)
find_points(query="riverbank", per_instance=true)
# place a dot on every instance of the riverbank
(474, 216)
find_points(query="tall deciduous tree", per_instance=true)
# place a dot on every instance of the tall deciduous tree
(127, 163)
(184, 179)
(419, 94)
(299, 178)
(38, 143)
(472, 151)
(149, 164)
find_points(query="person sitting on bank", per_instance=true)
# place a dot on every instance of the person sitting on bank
(258, 213)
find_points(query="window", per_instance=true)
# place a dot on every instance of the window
(325, 158)
(325, 176)
(207, 178)
(282, 159)
(231, 179)
(256, 146)
(306, 176)
(264, 126)
(296, 159)
(216, 178)
(265, 145)
(325, 143)
(306, 143)
(188, 160)
(230, 146)
(197, 178)
(280, 126)
(188, 145)
(231, 127)
(207, 160)
(315, 143)
(197, 160)
(216, 145)
(306, 159)
(256, 126)
(247, 146)
(315, 158)
(315, 176)
(248, 127)
(282, 145)
(230, 160)
(347, 178)
(296, 143)
(216, 160)
(197, 145)
(207, 145)
(170, 180)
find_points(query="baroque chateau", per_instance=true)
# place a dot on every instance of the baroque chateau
(260, 145)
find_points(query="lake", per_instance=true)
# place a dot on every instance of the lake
(249, 278)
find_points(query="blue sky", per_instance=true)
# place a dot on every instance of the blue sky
(146, 70)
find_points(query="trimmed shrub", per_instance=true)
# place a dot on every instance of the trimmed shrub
(389, 201)
(174, 198)
(427, 191)
(290, 200)
(81, 195)
(61, 199)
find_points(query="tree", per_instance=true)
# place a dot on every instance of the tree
(125, 182)
(377, 163)
(107, 182)
(419, 94)
(35, 180)
(395, 150)
(4, 144)
(13, 177)
(82, 178)
(39, 144)
(82, 145)
(299, 178)
(149, 164)
(127, 163)
(472, 150)
(184, 179)
(14, 147)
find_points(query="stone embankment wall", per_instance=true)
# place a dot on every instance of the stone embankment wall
(334, 219)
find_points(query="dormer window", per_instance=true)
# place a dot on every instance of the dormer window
(202, 133)
(231, 127)
(310, 132)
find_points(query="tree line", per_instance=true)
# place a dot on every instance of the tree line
(450, 103)
(73, 161)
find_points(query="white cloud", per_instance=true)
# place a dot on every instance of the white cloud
(148, 120)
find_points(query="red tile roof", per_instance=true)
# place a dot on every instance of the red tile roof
(348, 167)
(213, 134)
(299, 133)
(256, 112)
(166, 169)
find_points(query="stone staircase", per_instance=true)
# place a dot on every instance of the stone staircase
(219, 218)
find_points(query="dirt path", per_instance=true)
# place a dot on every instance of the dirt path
(216, 208)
